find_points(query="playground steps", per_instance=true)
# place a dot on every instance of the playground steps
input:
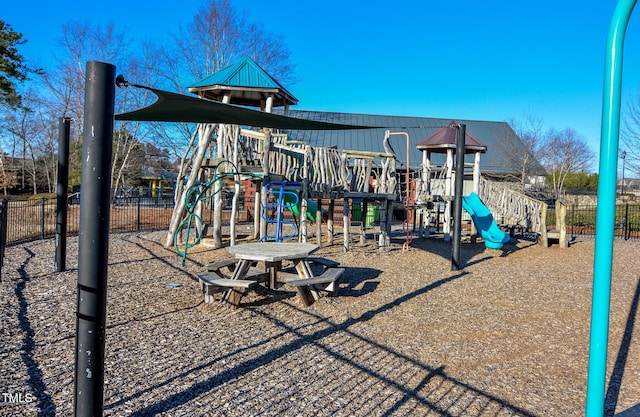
(559, 236)
(559, 233)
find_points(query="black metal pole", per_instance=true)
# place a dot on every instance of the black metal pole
(62, 189)
(573, 222)
(459, 185)
(4, 206)
(627, 229)
(97, 139)
(139, 211)
(42, 214)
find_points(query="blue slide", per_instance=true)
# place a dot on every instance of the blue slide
(493, 236)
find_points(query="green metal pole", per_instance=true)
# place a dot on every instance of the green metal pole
(605, 214)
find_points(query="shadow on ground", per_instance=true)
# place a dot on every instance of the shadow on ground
(348, 373)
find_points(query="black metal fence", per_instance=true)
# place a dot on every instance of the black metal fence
(3, 230)
(581, 221)
(33, 219)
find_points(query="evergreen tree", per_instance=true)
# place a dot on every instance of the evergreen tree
(12, 67)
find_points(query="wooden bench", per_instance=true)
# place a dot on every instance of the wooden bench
(328, 281)
(216, 266)
(211, 283)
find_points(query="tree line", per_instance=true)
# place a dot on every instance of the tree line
(563, 157)
(32, 100)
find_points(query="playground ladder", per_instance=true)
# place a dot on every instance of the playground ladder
(280, 189)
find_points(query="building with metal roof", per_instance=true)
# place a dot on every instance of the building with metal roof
(494, 135)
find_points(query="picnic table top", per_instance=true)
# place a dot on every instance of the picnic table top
(272, 251)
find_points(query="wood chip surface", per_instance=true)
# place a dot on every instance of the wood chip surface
(507, 335)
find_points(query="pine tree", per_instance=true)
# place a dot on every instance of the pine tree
(12, 67)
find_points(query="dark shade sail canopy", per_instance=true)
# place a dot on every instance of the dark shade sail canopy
(173, 107)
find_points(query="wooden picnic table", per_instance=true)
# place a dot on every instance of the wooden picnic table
(272, 254)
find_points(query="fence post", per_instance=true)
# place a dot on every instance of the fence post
(3, 232)
(62, 188)
(42, 219)
(627, 229)
(139, 224)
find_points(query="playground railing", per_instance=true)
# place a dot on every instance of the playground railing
(512, 207)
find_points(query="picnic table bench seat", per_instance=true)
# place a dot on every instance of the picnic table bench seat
(212, 283)
(229, 263)
(218, 266)
(328, 281)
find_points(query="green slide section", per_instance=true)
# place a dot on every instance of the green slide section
(312, 207)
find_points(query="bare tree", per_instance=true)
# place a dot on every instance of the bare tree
(217, 36)
(130, 134)
(82, 42)
(523, 145)
(25, 127)
(630, 133)
(566, 152)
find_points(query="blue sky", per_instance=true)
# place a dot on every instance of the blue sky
(456, 59)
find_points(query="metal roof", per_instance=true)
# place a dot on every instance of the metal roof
(249, 83)
(447, 138)
(491, 134)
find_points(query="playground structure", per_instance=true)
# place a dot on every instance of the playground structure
(313, 174)
(226, 155)
(270, 159)
(436, 184)
(435, 187)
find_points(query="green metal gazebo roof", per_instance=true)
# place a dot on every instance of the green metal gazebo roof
(248, 82)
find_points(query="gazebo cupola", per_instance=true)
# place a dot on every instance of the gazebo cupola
(437, 181)
(244, 83)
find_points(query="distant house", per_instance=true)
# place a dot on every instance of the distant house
(629, 185)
